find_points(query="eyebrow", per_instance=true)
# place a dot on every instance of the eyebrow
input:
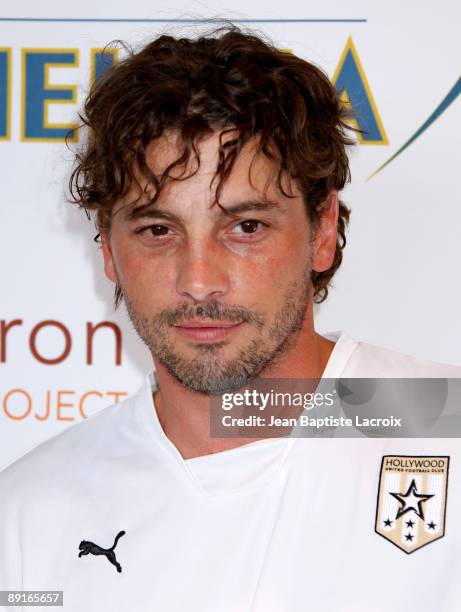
(150, 212)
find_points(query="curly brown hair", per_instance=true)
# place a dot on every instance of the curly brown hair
(227, 80)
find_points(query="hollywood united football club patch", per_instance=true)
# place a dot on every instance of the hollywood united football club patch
(412, 500)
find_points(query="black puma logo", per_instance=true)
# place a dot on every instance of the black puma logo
(86, 548)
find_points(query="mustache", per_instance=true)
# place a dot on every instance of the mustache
(210, 310)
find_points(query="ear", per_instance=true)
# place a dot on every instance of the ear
(326, 233)
(109, 266)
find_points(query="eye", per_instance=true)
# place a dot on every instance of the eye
(158, 230)
(249, 226)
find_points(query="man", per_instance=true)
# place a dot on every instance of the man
(213, 167)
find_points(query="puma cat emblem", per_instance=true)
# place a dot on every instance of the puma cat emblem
(87, 547)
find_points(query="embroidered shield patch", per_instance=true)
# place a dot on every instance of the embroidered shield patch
(412, 500)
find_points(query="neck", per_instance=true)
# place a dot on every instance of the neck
(185, 415)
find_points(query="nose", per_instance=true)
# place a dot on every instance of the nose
(202, 273)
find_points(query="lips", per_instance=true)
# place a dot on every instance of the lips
(207, 331)
(203, 323)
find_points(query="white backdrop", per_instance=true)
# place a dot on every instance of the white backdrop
(399, 285)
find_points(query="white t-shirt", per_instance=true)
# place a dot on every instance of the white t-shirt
(277, 525)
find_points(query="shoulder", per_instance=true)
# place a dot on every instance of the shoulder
(54, 463)
(369, 360)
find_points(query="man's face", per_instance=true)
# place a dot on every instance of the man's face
(216, 298)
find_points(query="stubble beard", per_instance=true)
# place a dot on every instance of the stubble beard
(208, 372)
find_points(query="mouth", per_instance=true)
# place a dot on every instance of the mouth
(207, 331)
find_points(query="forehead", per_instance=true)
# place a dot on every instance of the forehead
(253, 173)
(170, 147)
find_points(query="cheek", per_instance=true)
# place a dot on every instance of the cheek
(268, 275)
(145, 278)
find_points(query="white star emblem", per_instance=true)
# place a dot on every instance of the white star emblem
(411, 500)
